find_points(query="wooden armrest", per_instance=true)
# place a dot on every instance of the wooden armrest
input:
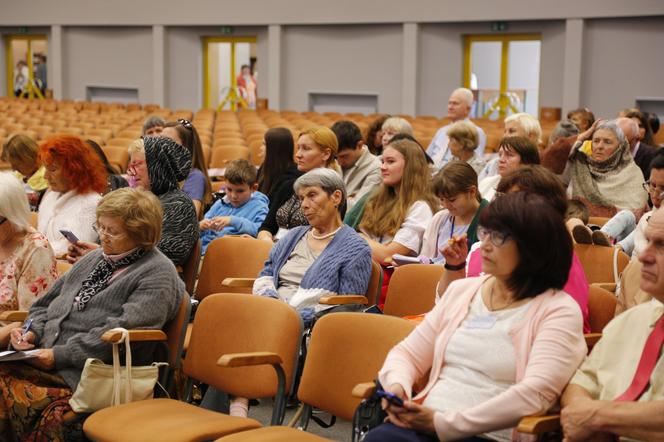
(539, 424)
(609, 286)
(343, 300)
(179, 269)
(252, 358)
(592, 338)
(13, 315)
(238, 282)
(113, 337)
(364, 390)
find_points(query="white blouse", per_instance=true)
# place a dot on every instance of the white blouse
(412, 229)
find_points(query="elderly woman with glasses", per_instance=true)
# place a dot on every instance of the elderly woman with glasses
(496, 348)
(126, 283)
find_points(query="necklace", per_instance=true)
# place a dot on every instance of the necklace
(491, 301)
(326, 236)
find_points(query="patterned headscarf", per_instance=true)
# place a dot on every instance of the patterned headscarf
(168, 163)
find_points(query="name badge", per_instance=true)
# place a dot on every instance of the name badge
(484, 322)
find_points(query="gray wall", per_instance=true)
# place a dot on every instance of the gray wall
(622, 60)
(113, 57)
(341, 59)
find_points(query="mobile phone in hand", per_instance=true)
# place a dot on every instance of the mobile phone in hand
(70, 236)
(390, 397)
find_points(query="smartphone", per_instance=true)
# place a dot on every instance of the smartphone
(390, 397)
(373, 309)
(70, 236)
(403, 260)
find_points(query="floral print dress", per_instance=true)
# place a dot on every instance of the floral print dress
(28, 273)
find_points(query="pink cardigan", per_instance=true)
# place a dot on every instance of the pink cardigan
(548, 343)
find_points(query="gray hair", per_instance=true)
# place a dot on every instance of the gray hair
(617, 131)
(153, 121)
(563, 129)
(327, 179)
(13, 202)
(466, 94)
(398, 124)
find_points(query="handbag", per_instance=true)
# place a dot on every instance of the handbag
(101, 384)
(368, 415)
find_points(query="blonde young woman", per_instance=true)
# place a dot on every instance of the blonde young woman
(316, 147)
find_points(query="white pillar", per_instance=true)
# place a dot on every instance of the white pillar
(274, 66)
(409, 69)
(158, 65)
(572, 64)
(55, 65)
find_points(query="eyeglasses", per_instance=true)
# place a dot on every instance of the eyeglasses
(101, 231)
(186, 123)
(497, 238)
(2, 220)
(648, 186)
(131, 168)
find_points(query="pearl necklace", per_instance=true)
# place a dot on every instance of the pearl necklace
(326, 236)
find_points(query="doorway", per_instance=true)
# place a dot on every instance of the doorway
(230, 73)
(26, 61)
(503, 72)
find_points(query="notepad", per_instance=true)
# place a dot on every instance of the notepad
(7, 356)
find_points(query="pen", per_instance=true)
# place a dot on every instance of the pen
(26, 329)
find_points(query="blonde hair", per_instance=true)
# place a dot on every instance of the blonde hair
(387, 208)
(465, 133)
(399, 125)
(324, 138)
(13, 203)
(136, 146)
(530, 125)
(20, 147)
(140, 211)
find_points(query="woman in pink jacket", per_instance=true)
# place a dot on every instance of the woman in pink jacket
(497, 347)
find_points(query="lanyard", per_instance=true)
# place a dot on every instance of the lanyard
(452, 230)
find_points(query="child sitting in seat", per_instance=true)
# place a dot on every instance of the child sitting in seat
(241, 211)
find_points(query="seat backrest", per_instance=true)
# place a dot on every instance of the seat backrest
(412, 289)
(231, 257)
(338, 358)
(601, 308)
(190, 267)
(597, 262)
(375, 282)
(223, 155)
(235, 323)
(598, 220)
(175, 330)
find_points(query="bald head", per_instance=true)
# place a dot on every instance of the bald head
(630, 129)
(459, 104)
(652, 258)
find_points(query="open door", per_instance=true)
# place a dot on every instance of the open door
(27, 65)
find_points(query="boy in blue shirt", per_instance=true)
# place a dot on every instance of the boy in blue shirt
(241, 211)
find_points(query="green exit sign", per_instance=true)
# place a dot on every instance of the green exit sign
(23, 30)
(499, 26)
(226, 30)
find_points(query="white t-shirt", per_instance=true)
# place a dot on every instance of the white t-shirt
(412, 229)
(487, 187)
(480, 362)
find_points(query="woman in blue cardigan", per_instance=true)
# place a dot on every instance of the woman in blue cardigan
(323, 258)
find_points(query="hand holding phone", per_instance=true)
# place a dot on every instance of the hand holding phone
(70, 236)
(392, 398)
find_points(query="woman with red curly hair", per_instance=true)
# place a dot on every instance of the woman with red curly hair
(76, 178)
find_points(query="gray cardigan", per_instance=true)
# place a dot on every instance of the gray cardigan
(145, 296)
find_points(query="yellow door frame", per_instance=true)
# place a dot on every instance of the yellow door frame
(503, 102)
(9, 58)
(206, 64)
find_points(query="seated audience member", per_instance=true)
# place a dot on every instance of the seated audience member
(127, 283)
(395, 126)
(76, 179)
(114, 181)
(463, 141)
(456, 186)
(158, 164)
(561, 140)
(622, 229)
(197, 185)
(316, 148)
(459, 106)
(374, 136)
(27, 264)
(22, 153)
(606, 177)
(653, 121)
(516, 125)
(152, 126)
(323, 258)
(617, 391)
(643, 149)
(513, 153)
(583, 118)
(394, 216)
(359, 167)
(461, 260)
(241, 211)
(496, 348)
